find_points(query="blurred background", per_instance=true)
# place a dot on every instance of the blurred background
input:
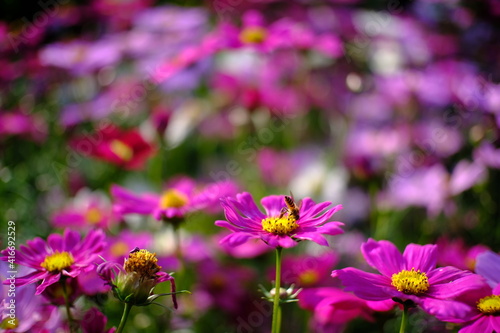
(390, 108)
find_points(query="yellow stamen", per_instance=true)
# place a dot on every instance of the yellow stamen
(9, 323)
(122, 150)
(489, 305)
(93, 216)
(119, 249)
(58, 261)
(143, 263)
(173, 199)
(253, 35)
(411, 282)
(279, 226)
(308, 278)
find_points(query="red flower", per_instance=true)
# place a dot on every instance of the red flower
(125, 148)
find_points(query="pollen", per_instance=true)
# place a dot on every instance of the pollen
(142, 262)
(121, 149)
(279, 225)
(93, 216)
(253, 35)
(58, 261)
(173, 199)
(411, 282)
(489, 305)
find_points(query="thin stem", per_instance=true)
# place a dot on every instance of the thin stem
(404, 319)
(276, 307)
(125, 314)
(67, 304)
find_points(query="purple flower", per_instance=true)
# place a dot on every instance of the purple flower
(94, 321)
(59, 257)
(411, 276)
(180, 197)
(276, 228)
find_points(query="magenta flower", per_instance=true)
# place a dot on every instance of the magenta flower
(59, 257)
(276, 229)
(94, 321)
(85, 211)
(408, 277)
(479, 310)
(180, 197)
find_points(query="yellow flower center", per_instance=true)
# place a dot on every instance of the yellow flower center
(58, 261)
(122, 150)
(9, 323)
(489, 305)
(93, 216)
(308, 277)
(173, 199)
(143, 263)
(411, 282)
(253, 35)
(119, 249)
(279, 225)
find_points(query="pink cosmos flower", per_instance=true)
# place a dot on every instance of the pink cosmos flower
(180, 197)
(85, 211)
(479, 310)
(125, 148)
(456, 253)
(21, 124)
(59, 257)
(408, 277)
(246, 221)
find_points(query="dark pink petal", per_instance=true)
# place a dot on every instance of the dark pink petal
(237, 238)
(246, 205)
(286, 241)
(331, 228)
(449, 289)
(495, 323)
(312, 236)
(70, 240)
(372, 287)
(452, 311)
(482, 324)
(273, 204)
(309, 209)
(30, 278)
(420, 257)
(55, 242)
(129, 202)
(383, 256)
(446, 274)
(225, 224)
(50, 279)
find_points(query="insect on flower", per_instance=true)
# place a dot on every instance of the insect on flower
(291, 208)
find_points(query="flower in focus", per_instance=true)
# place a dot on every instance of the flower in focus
(409, 277)
(125, 148)
(87, 210)
(180, 197)
(276, 228)
(60, 257)
(134, 282)
(478, 311)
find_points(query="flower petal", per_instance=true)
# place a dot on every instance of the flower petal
(383, 256)
(422, 257)
(273, 204)
(482, 324)
(488, 265)
(369, 286)
(312, 236)
(449, 288)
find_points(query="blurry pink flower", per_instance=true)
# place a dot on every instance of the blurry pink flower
(181, 196)
(488, 155)
(87, 210)
(246, 221)
(307, 270)
(457, 253)
(59, 257)
(333, 308)
(81, 57)
(94, 321)
(251, 249)
(125, 148)
(24, 125)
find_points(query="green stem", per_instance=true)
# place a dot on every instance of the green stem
(276, 307)
(67, 304)
(404, 319)
(126, 311)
